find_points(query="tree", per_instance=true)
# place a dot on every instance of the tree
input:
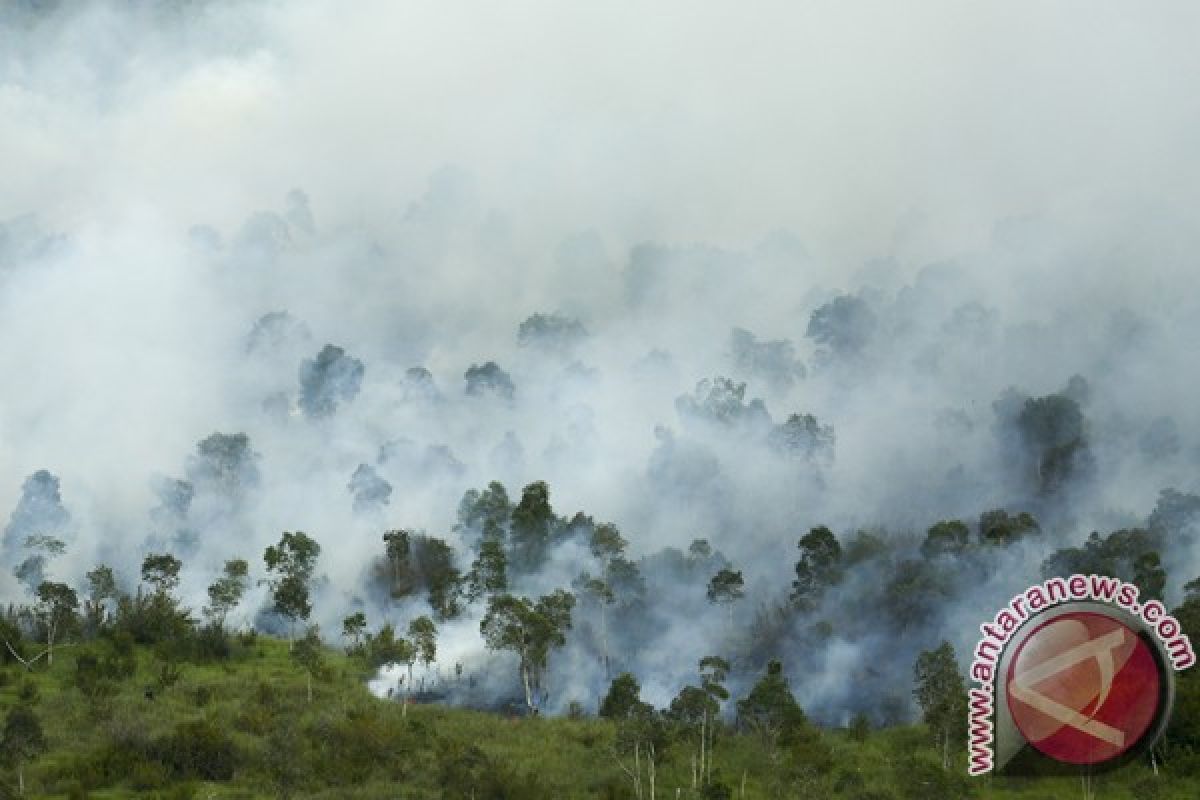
(398, 549)
(371, 492)
(699, 708)
(640, 731)
(1054, 431)
(291, 564)
(225, 464)
(942, 696)
(551, 332)
(726, 588)
(819, 567)
(161, 571)
(489, 570)
(948, 537)
(423, 634)
(353, 627)
(488, 378)
(722, 401)
(774, 361)
(56, 607)
(308, 653)
(607, 545)
(623, 698)
(485, 514)
(43, 548)
(801, 436)
(532, 521)
(436, 563)
(999, 528)
(226, 593)
(770, 711)
(843, 327)
(39, 511)
(1149, 575)
(102, 589)
(531, 631)
(331, 378)
(22, 741)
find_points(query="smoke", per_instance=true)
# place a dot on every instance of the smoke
(270, 267)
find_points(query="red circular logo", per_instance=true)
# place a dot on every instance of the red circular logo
(1083, 688)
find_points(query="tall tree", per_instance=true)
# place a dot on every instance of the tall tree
(309, 654)
(56, 607)
(291, 564)
(225, 594)
(485, 514)
(353, 627)
(726, 588)
(398, 549)
(423, 633)
(532, 522)
(607, 545)
(948, 537)
(942, 696)
(42, 550)
(102, 590)
(161, 571)
(531, 631)
(489, 570)
(819, 567)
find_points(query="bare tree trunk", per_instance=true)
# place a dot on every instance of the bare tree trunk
(703, 728)
(694, 783)
(743, 784)
(637, 770)
(604, 633)
(650, 768)
(50, 631)
(308, 676)
(528, 689)
(20, 779)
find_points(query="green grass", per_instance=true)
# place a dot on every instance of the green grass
(353, 745)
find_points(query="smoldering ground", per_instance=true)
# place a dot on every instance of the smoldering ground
(258, 218)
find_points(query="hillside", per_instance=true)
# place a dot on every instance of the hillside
(243, 727)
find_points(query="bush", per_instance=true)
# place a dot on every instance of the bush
(198, 750)
(212, 643)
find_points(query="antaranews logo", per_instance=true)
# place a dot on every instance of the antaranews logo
(1073, 672)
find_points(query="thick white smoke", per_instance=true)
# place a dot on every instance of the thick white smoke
(1010, 193)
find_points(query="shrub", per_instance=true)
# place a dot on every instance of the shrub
(198, 750)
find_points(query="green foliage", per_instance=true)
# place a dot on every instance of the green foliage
(532, 522)
(22, 738)
(942, 696)
(161, 571)
(291, 563)
(531, 631)
(946, 538)
(423, 633)
(819, 567)
(225, 594)
(770, 709)
(623, 698)
(726, 587)
(1129, 554)
(999, 528)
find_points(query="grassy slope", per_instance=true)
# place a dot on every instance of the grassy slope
(572, 758)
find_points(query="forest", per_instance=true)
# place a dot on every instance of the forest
(530, 400)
